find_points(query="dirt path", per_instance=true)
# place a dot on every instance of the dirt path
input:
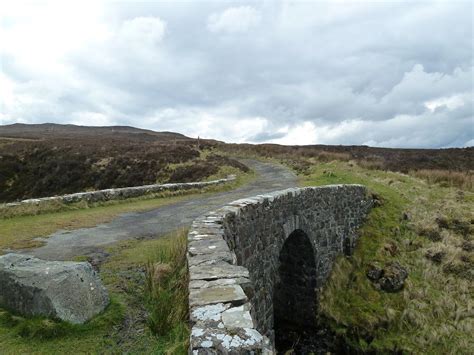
(64, 245)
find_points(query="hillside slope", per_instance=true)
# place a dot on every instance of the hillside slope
(50, 159)
(53, 130)
(46, 160)
(425, 229)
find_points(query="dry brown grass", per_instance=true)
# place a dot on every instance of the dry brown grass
(447, 178)
(371, 163)
(330, 156)
(429, 230)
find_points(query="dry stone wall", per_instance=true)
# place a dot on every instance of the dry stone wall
(234, 257)
(119, 193)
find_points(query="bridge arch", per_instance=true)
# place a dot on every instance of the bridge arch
(294, 294)
(245, 259)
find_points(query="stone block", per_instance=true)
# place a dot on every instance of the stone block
(70, 291)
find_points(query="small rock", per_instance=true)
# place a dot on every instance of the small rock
(393, 277)
(377, 200)
(374, 272)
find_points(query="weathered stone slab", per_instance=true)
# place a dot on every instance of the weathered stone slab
(218, 282)
(220, 341)
(219, 270)
(209, 313)
(237, 317)
(70, 291)
(211, 258)
(207, 246)
(217, 294)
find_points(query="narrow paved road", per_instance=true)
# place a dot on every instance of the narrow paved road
(64, 245)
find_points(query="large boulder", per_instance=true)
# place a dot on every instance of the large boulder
(70, 291)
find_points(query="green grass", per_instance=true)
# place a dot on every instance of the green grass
(42, 328)
(166, 295)
(433, 313)
(20, 232)
(124, 327)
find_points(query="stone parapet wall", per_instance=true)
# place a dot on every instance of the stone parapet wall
(119, 193)
(233, 260)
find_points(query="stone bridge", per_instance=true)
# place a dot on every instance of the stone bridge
(256, 265)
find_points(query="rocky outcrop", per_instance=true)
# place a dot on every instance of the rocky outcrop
(391, 278)
(235, 258)
(70, 291)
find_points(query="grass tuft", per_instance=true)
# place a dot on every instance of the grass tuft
(42, 328)
(447, 178)
(166, 289)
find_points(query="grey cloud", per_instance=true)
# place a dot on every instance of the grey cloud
(328, 64)
(266, 136)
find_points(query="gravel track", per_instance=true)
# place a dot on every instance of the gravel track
(65, 245)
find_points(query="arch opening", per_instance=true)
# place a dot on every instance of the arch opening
(294, 298)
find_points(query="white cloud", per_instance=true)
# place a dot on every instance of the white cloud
(214, 123)
(234, 20)
(91, 119)
(147, 30)
(450, 102)
(40, 35)
(301, 134)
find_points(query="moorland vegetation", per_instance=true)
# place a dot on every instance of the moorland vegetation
(423, 220)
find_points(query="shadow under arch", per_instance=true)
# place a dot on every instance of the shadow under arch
(294, 297)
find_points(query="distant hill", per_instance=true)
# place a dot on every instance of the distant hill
(40, 160)
(48, 159)
(53, 130)
(395, 159)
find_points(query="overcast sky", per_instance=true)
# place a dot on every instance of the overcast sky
(394, 74)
